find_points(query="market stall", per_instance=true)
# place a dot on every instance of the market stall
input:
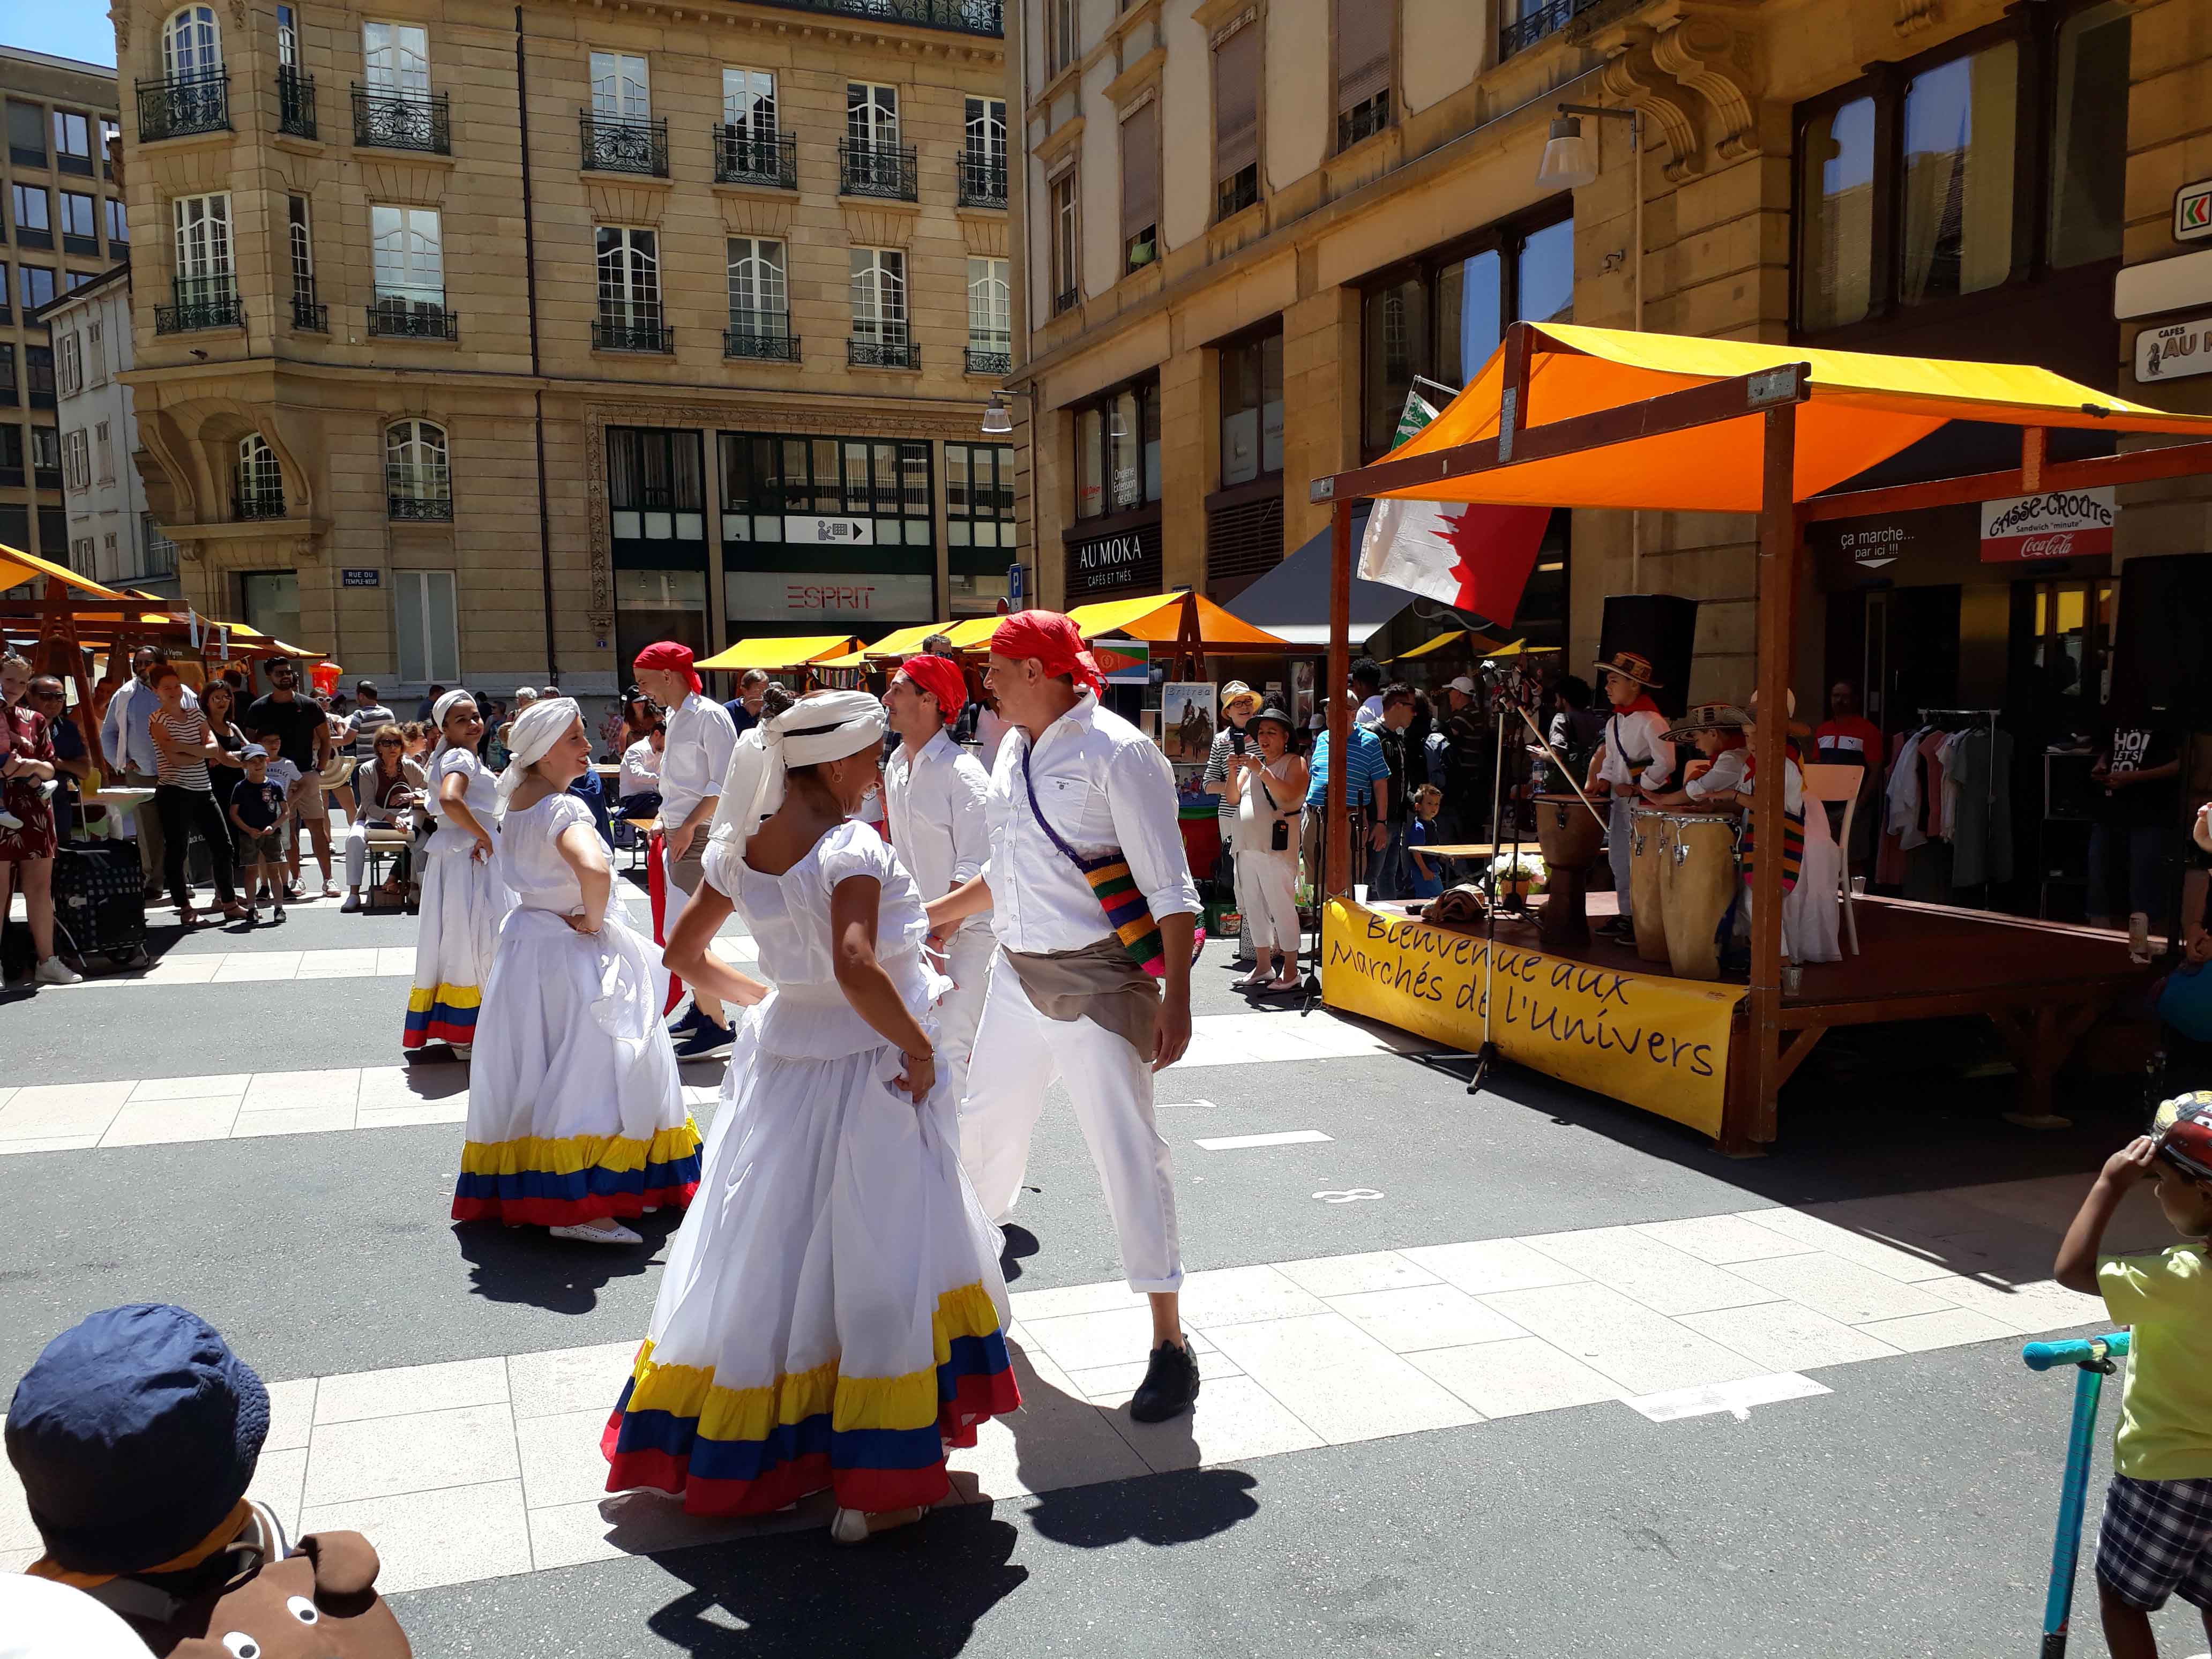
(780, 653)
(1573, 416)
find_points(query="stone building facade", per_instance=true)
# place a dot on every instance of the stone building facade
(489, 347)
(112, 537)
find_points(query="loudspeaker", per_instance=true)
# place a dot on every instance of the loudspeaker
(1662, 627)
(2159, 657)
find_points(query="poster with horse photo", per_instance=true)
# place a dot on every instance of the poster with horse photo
(1187, 720)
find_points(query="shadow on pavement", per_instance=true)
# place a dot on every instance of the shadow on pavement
(1182, 1507)
(527, 1265)
(1021, 1242)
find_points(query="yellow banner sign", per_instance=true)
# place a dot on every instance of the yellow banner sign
(1658, 1043)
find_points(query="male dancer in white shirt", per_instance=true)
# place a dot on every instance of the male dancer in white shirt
(933, 795)
(1066, 999)
(1634, 756)
(695, 753)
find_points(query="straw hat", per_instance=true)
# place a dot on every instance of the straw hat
(1797, 727)
(1236, 692)
(1707, 717)
(1632, 665)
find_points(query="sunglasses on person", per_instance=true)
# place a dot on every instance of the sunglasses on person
(46, 697)
(387, 743)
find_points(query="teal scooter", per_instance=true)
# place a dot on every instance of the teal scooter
(2091, 1357)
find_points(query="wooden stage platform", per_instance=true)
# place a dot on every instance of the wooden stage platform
(2041, 984)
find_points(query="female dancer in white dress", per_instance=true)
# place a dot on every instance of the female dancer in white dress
(575, 1110)
(833, 1313)
(464, 900)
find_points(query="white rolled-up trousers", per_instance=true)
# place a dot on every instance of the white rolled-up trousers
(1018, 1054)
(960, 1010)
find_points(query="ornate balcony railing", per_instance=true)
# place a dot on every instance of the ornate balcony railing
(616, 143)
(196, 302)
(763, 336)
(309, 317)
(394, 317)
(618, 334)
(883, 354)
(295, 102)
(962, 16)
(745, 157)
(251, 499)
(982, 181)
(881, 170)
(990, 360)
(410, 502)
(1064, 300)
(181, 104)
(402, 121)
(1536, 21)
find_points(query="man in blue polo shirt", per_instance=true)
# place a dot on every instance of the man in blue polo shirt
(1367, 777)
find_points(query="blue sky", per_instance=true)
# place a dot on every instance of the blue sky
(67, 28)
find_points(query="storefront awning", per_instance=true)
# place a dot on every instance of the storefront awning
(903, 643)
(797, 651)
(1159, 619)
(1861, 408)
(17, 567)
(1291, 601)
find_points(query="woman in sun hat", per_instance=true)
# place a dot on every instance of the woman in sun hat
(1239, 701)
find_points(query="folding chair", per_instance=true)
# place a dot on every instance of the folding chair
(1824, 784)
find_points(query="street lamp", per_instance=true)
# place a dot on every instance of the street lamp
(1570, 162)
(998, 419)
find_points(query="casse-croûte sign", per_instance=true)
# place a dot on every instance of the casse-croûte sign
(2063, 524)
(1662, 1044)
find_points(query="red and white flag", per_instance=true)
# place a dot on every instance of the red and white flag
(1473, 557)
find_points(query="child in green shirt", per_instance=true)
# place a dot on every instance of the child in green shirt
(2156, 1539)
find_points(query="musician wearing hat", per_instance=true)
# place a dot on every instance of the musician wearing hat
(1710, 783)
(1635, 756)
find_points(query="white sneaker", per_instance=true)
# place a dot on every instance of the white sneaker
(9, 821)
(616, 1234)
(54, 971)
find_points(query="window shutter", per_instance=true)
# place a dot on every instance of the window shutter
(1363, 51)
(1140, 170)
(1236, 102)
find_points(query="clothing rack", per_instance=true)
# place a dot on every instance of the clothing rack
(1982, 721)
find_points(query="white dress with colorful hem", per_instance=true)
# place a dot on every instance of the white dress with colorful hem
(463, 903)
(832, 1314)
(576, 1107)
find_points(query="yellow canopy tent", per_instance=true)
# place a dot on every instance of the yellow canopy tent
(850, 660)
(906, 641)
(795, 651)
(975, 634)
(17, 567)
(1481, 644)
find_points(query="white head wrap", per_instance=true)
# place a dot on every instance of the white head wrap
(826, 726)
(536, 730)
(439, 710)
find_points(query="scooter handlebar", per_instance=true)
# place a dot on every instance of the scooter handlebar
(2075, 1350)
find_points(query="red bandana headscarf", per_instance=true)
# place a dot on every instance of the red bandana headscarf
(667, 654)
(1050, 638)
(941, 677)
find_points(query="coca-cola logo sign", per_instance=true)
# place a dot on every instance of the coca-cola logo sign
(2060, 524)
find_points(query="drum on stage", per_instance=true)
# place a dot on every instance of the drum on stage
(1646, 831)
(1571, 836)
(1697, 877)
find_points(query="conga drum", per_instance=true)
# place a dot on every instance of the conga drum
(1696, 881)
(1571, 836)
(1647, 831)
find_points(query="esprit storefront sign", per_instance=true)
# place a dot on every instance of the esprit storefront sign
(1127, 558)
(798, 595)
(2064, 523)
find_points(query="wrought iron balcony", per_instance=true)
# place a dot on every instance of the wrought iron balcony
(402, 121)
(883, 354)
(989, 359)
(196, 302)
(982, 181)
(254, 500)
(1065, 300)
(411, 502)
(745, 157)
(1536, 21)
(881, 170)
(618, 334)
(394, 317)
(962, 16)
(763, 336)
(1363, 121)
(180, 104)
(295, 102)
(614, 143)
(309, 316)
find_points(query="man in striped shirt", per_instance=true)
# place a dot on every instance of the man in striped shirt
(1367, 778)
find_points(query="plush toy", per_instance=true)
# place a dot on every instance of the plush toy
(318, 1604)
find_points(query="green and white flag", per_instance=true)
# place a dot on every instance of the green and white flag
(1419, 410)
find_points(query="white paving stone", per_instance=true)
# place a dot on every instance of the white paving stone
(382, 1456)
(1339, 1381)
(278, 1478)
(1643, 1351)
(292, 1090)
(1515, 1377)
(48, 1111)
(291, 1415)
(562, 1380)
(292, 1121)
(1784, 1336)
(1953, 1327)
(1234, 1295)
(1657, 1275)
(405, 1389)
(2024, 1310)
(229, 1083)
(154, 1122)
(454, 1536)
(1422, 1316)
(1486, 1265)
(1349, 1275)
(561, 1463)
(1808, 1228)
(1722, 1239)
(1840, 1289)
(1233, 1419)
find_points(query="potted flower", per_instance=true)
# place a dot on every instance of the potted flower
(1517, 875)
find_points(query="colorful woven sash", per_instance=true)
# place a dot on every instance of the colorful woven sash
(1116, 888)
(1793, 847)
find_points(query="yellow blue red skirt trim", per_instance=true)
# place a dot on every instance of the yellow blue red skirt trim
(557, 1183)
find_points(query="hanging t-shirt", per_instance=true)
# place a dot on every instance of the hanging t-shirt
(2140, 746)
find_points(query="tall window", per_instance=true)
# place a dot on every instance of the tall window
(1251, 409)
(1061, 43)
(1237, 121)
(407, 248)
(34, 225)
(46, 456)
(872, 117)
(979, 495)
(27, 135)
(72, 364)
(619, 87)
(880, 296)
(1140, 186)
(983, 154)
(95, 342)
(1117, 450)
(7, 394)
(990, 314)
(749, 102)
(428, 626)
(301, 242)
(77, 460)
(119, 225)
(2089, 139)
(260, 481)
(38, 374)
(760, 297)
(417, 482)
(1835, 234)
(1067, 242)
(202, 238)
(397, 59)
(11, 461)
(191, 45)
(630, 278)
(656, 484)
(111, 132)
(80, 233)
(103, 444)
(1960, 123)
(72, 143)
(287, 36)
(34, 286)
(1362, 68)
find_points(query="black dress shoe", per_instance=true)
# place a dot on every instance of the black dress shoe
(1170, 1387)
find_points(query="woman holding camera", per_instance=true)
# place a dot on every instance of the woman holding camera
(1269, 789)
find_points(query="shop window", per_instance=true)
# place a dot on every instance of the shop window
(1117, 450)
(1835, 241)
(1237, 121)
(1140, 186)
(2089, 135)
(978, 496)
(656, 487)
(1252, 409)
(1960, 119)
